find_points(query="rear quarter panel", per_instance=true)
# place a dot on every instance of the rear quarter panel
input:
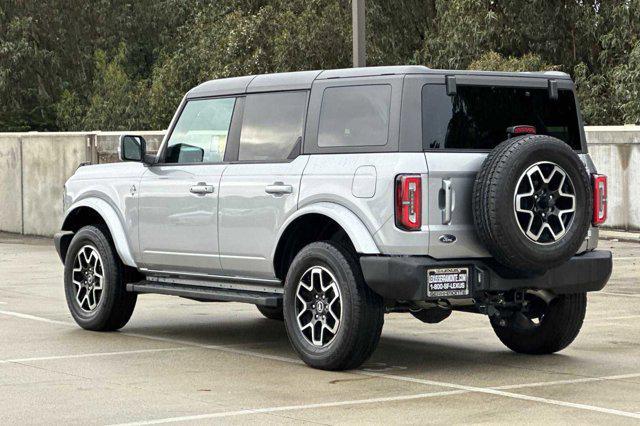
(364, 184)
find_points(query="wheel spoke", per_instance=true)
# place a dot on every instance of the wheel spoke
(82, 299)
(91, 300)
(316, 278)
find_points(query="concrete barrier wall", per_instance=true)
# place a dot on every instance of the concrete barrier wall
(10, 184)
(615, 150)
(47, 162)
(34, 167)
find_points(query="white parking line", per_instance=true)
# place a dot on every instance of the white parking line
(34, 318)
(292, 408)
(627, 258)
(610, 293)
(498, 392)
(569, 381)
(460, 389)
(89, 355)
(457, 387)
(593, 320)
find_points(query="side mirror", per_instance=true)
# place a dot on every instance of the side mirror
(133, 148)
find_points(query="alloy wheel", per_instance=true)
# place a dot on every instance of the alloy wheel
(88, 278)
(544, 202)
(318, 306)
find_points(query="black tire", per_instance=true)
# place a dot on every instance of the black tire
(271, 312)
(494, 214)
(557, 329)
(362, 311)
(115, 305)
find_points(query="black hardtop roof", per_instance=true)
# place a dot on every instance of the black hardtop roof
(301, 80)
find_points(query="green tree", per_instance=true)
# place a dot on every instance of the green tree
(492, 61)
(116, 101)
(118, 63)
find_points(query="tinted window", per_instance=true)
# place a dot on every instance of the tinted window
(355, 116)
(272, 126)
(477, 117)
(200, 135)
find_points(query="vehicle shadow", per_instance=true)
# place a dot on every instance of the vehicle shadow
(409, 353)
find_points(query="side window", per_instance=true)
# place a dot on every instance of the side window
(272, 126)
(355, 116)
(200, 135)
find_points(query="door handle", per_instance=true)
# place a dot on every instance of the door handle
(201, 189)
(449, 201)
(278, 188)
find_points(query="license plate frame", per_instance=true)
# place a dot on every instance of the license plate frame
(448, 282)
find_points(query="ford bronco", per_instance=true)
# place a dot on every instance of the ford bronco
(329, 198)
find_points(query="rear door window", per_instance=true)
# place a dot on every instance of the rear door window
(272, 126)
(355, 116)
(477, 117)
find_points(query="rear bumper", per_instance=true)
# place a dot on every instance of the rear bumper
(405, 277)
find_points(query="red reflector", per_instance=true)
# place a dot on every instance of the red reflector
(521, 130)
(409, 202)
(599, 199)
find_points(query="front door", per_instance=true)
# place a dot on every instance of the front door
(179, 196)
(261, 189)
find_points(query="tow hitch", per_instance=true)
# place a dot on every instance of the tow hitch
(522, 309)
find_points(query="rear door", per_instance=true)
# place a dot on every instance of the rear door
(463, 119)
(259, 190)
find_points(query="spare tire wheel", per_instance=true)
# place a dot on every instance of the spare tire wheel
(532, 203)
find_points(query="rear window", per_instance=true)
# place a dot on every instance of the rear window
(477, 117)
(272, 126)
(354, 116)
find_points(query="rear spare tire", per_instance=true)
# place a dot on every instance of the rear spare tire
(532, 203)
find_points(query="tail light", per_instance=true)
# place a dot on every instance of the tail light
(599, 199)
(409, 202)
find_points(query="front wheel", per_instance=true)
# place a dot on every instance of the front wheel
(333, 319)
(548, 328)
(94, 282)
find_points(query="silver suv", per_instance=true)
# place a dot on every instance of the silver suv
(329, 198)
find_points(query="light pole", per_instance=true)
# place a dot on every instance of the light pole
(359, 41)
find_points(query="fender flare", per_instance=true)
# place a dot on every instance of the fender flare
(353, 226)
(114, 223)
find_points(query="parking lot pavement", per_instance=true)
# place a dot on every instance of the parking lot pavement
(184, 361)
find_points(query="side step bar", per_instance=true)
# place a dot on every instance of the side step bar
(198, 292)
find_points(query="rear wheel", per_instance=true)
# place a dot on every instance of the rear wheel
(544, 328)
(94, 280)
(333, 319)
